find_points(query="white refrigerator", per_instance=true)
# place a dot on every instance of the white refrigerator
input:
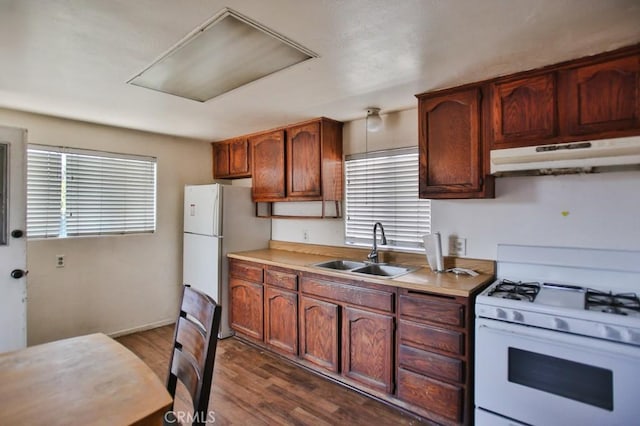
(218, 219)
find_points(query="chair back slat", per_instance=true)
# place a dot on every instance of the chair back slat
(192, 341)
(198, 305)
(194, 349)
(184, 368)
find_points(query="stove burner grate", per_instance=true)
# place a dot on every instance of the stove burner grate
(508, 289)
(620, 304)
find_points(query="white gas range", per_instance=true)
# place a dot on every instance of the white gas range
(558, 338)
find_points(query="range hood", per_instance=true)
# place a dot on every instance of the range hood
(574, 157)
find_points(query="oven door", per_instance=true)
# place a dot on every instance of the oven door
(545, 377)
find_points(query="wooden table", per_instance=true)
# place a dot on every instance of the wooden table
(87, 380)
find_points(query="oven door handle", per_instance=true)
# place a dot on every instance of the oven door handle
(568, 340)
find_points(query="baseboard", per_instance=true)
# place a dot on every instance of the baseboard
(142, 328)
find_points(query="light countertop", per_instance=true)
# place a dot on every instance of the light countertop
(422, 279)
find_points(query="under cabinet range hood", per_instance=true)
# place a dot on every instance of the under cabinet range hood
(574, 157)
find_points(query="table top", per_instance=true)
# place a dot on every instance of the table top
(86, 380)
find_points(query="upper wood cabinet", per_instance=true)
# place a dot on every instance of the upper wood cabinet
(524, 110)
(231, 159)
(304, 163)
(268, 168)
(451, 145)
(301, 162)
(603, 97)
(585, 99)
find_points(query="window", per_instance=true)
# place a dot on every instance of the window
(73, 192)
(383, 187)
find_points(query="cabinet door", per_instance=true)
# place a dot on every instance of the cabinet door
(246, 316)
(604, 97)
(268, 166)
(304, 161)
(319, 333)
(239, 158)
(524, 111)
(367, 353)
(220, 160)
(281, 320)
(450, 145)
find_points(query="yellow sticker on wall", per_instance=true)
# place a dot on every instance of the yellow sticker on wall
(565, 213)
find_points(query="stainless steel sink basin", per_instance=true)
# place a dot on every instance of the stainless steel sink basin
(340, 265)
(381, 270)
(384, 271)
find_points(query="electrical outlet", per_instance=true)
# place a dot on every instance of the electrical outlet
(305, 235)
(458, 246)
(60, 261)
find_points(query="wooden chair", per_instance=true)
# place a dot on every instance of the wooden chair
(194, 350)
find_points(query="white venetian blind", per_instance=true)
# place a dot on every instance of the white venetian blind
(383, 187)
(107, 195)
(98, 193)
(44, 180)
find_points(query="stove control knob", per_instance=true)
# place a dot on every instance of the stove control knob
(517, 316)
(609, 332)
(560, 324)
(501, 314)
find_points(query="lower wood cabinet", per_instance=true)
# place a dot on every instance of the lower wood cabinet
(433, 356)
(319, 333)
(367, 353)
(410, 348)
(247, 313)
(281, 320)
(436, 396)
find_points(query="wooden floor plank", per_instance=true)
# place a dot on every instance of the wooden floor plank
(254, 387)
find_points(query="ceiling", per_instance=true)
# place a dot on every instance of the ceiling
(72, 58)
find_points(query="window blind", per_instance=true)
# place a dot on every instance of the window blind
(97, 193)
(383, 187)
(44, 201)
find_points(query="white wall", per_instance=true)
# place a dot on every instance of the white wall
(598, 210)
(118, 283)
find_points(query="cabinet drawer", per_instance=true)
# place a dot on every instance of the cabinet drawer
(281, 277)
(431, 364)
(432, 395)
(246, 270)
(360, 296)
(428, 337)
(431, 308)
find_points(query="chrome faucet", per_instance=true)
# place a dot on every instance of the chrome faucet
(373, 255)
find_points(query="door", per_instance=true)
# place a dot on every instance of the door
(281, 319)
(202, 209)
(304, 165)
(367, 354)
(450, 145)
(201, 264)
(578, 380)
(319, 328)
(13, 247)
(268, 166)
(604, 97)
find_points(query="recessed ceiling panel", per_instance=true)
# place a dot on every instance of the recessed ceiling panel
(227, 52)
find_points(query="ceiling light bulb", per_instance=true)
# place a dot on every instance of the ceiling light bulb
(374, 121)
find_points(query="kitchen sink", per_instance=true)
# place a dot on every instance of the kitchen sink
(381, 270)
(340, 265)
(384, 270)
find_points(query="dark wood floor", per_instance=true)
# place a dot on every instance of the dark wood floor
(253, 387)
